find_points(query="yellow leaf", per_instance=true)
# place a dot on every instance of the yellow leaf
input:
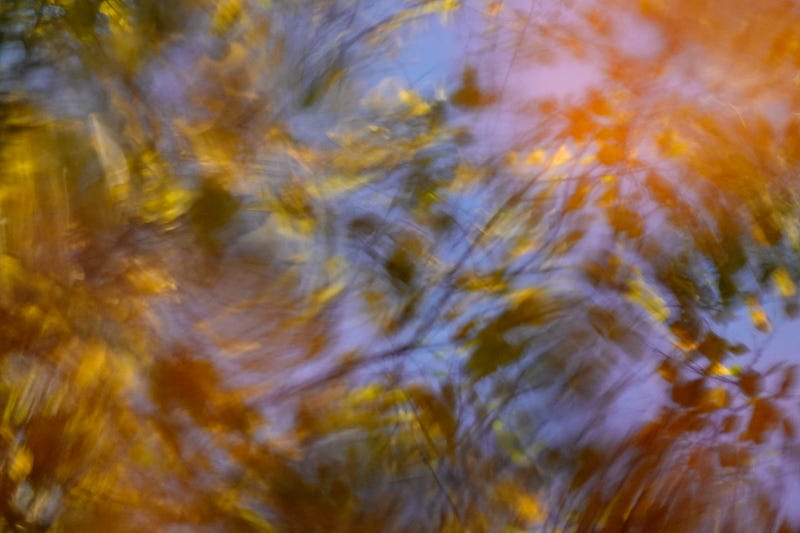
(368, 393)
(758, 315)
(536, 157)
(150, 280)
(718, 369)
(416, 105)
(758, 234)
(783, 281)
(125, 371)
(10, 270)
(334, 265)
(449, 6)
(21, 464)
(291, 227)
(338, 184)
(474, 282)
(111, 157)
(114, 14)
(525, 246)
(610, 194)
(91, 364)
(716, 398)
(648, 299)
(528, 294)
(686, 345)
(321, 298)
(561, 156)
(227, 13)
(671, 144)
(125, 42)
(793, 235)
(166, 205)
(528, 508)
(610, 153)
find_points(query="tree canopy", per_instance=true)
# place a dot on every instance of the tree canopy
(419, 265)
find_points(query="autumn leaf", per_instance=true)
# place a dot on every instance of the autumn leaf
(643, 295)
(750, 382)
(757, 314)
(668, 371)
(716, 398)
(713, 346)
(561, 156)
(469, 95)
(610, 154)
(788, 381)
(733, 456)
(689, 393)
(111, 157)
(577, 199)
(784, 283)
(764, 418)
(492, 351)
(21, 464)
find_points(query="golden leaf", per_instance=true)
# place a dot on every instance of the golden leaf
(561, 156)
(320, 298)
(610, 153)
(610, 194)
(671, 144)
(783, 281)
(92, 361)
(718, 369)
(416, 105)
(21, 464)
(758, 234)
(226, 14)
(150, 280)
(166, 204)
(758, 315)
(448, 6)
(368, 393)
(536, 157)
(648, 299)
(111, 158)
(528, 508)
(668, 371)
(339, 184)
(793, 235)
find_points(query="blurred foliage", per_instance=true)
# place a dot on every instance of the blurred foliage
(249, 281)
